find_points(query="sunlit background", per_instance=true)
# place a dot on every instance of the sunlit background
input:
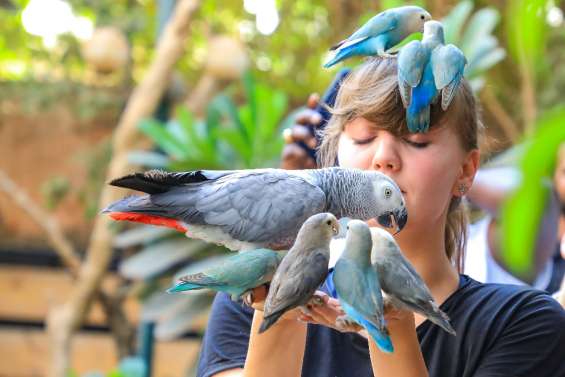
(67, 71)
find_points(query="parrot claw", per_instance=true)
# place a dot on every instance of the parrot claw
(316, 300)
(248, 298)
(345, 324)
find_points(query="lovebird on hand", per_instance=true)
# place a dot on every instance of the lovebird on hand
(237, 275)
(357, 285)
(381, 33)
(302, 270)
(402, 285)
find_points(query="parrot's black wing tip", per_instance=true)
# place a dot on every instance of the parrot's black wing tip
(157, 181)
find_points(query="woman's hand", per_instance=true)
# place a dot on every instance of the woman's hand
(294, 155)
(331, 315)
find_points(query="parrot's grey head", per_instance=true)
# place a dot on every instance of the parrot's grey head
(389, 201)
(433, 30)
(414, 18)
(323, 225)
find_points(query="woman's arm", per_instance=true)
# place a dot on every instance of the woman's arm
(407, 359)
(278, 351)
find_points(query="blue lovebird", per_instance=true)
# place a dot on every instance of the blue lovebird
(380, 33)
(357, 286)
(237, 275)
(424, 68)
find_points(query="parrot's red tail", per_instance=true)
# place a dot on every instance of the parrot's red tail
(148, 219)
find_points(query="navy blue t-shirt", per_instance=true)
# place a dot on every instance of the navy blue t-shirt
(502, 330)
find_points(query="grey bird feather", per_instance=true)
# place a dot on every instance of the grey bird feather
(261, 208)
(302, 270)
(401, 283)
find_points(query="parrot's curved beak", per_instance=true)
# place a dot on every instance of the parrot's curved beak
(335, 229)
(397, 219)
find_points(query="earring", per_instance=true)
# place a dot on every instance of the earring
(462, 189)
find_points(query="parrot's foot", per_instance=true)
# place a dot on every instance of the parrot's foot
(388, 55)
(248, 298)
(346, 324)
(316, 300)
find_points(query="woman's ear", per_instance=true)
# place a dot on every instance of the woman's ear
(467, 174)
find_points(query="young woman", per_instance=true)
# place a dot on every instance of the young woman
(501, 330)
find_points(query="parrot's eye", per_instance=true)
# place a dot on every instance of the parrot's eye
(422, 17)
(329, 222)
(388, 193)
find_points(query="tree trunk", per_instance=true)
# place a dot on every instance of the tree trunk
(63, 320)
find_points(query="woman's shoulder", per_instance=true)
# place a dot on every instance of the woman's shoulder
(501, 330)
(505, 302)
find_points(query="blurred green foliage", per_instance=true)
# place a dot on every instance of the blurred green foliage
(523, 211)
(229, 137)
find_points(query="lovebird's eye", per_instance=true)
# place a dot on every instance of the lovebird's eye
(422, 17)
(388, 193)
(329, 222)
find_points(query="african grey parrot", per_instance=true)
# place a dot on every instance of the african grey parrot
(262, 208)
(302, 270)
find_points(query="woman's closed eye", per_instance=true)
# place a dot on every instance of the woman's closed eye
(365, 141)
(417, 144)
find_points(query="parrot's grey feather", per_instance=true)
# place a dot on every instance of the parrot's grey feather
(284, 295)
(448, 64)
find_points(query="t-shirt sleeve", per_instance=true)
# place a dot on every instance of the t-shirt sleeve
(533, 343)
(226, 339)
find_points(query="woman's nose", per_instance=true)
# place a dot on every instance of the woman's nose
(386, 157)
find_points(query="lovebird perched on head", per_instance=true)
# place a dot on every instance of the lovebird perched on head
(262, 208)
(380, 33)
(357, 285)
(424, 68)
(237, 275)
(401, 283)
(302, 270)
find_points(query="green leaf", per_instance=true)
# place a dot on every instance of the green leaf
(522, 212)
(183, 320)
(454, 21)
(139, 235)
(480, 26)
(526, 30)
(157, 132)
(148, 159)
(158, 257)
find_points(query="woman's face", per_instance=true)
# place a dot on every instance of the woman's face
(429, 168)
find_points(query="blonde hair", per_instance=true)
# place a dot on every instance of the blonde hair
(371, 92)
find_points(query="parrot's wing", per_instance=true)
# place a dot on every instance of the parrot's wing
(259, 206)
(411, 62)
(298, 282)
(448, 65)
(256, 206)
(239, 270)
(381, 23)
(358, 291)
(399, 278)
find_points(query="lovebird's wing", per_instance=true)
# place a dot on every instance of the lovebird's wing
(448, 65)
(379, 24)
(359, 290)
(412, 59)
